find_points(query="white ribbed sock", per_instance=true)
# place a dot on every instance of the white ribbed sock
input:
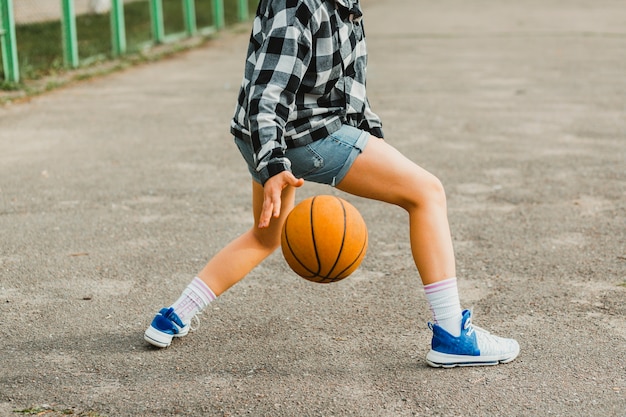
(194, 299)
(443, 297)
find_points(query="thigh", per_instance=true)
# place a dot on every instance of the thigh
(381, 172)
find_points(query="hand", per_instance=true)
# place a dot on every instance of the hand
(272, 192)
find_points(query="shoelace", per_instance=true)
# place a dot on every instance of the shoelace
(486, 341)
(468, 326)
(472, 327)
(489, 343)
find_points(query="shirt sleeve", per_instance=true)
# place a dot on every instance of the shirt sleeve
(371, 122)
(282, 60)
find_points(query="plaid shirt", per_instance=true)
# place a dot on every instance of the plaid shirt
(304, 78)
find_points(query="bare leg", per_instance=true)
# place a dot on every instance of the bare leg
(240, 256)
(382, 173)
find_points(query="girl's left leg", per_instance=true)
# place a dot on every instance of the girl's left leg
(382, 173)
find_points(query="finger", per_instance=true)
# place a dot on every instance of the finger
(298, 182)
(272, 200)
(293, 181)
(277, 204)
(266, 212)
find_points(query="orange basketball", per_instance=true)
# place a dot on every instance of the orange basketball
(324, 239)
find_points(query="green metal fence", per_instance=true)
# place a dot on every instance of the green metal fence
(8, 46)
(70, 36)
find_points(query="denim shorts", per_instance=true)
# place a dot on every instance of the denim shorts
(325, 161)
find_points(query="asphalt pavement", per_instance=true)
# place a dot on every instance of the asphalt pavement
(115, 191)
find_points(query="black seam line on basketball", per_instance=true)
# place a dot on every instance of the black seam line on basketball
(292, 251)
(357, 257)
(317, 256)
(323, 280)
(343, 240)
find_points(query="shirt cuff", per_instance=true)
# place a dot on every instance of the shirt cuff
(275, 166)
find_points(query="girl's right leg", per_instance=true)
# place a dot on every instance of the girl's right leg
(229, 266)
(241, 255)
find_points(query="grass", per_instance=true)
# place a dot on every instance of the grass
(17, 92)
(40, 45)
(9, 86)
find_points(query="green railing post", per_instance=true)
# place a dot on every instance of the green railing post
(242, 10)
(8, 44)
(158, 27)
(218, 12)
(70, 39)
(189, 11)
(118, 28)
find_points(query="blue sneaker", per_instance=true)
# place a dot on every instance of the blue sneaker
(474, 347)
(165, 326)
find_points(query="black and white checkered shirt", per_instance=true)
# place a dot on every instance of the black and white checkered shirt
(304, 78)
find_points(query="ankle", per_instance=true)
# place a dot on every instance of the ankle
(443, 297)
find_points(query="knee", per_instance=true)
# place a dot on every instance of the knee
(427, 191)
(268, 239)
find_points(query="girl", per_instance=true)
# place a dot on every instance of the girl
(303, 114)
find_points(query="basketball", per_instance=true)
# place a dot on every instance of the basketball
(324, 239)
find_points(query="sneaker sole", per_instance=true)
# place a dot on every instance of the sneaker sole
(158, 338)
(444, 360)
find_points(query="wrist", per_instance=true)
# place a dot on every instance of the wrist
(274, 167)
